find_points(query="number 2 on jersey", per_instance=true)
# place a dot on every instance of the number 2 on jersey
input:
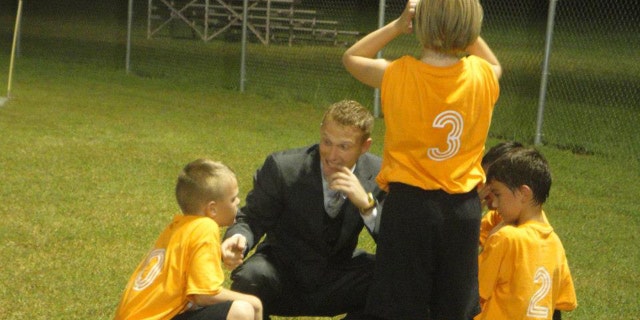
(544, 279)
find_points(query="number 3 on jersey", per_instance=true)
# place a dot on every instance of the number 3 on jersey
(150, 270)
(455, 121)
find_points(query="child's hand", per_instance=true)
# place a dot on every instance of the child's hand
(233, 251)
(486, 197)
(405, 22)
(496, 228)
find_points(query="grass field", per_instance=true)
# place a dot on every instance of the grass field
(89, 157)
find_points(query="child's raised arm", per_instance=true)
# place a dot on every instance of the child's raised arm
(481, 49)
(360, 59)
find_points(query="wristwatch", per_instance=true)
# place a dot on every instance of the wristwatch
(371, 205)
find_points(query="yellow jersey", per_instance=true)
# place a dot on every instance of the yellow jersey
(524, 274)
(490, 220)
(185, 260)
(437, 120)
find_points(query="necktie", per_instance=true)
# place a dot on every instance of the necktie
(334, 203)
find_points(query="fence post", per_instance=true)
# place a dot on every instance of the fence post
(545, 71)
(376, 91)
(16, 35)
(243, 54)
(129, 22)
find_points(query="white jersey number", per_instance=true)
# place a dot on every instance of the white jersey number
(453, 119)
(150, 270)
(544, 279)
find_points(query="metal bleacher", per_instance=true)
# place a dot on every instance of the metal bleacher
(268, 21)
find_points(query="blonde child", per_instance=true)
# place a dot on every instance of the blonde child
(437, 111)
(181, 277)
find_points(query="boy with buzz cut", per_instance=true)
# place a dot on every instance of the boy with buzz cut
(523, 270)
(181, 277)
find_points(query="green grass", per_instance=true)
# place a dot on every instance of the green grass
(89, 158)
(89, 167)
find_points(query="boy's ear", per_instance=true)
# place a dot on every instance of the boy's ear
(211, 208)
(527, 193)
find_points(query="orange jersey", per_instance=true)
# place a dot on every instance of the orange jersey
(490, 220)
(437, 120)
(524, 274)
(185, 261)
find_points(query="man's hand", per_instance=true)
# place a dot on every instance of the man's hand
(346, 182)
(233, 251)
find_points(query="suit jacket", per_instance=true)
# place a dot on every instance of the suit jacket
(287, 204)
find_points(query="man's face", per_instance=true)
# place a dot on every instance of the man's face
(340, 146)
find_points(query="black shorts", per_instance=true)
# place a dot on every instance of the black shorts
(218, 311)
(427, 256)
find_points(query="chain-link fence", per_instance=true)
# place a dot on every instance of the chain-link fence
(591, 100)
(294, 48)
(593, 91)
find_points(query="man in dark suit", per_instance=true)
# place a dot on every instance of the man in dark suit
(308, 264)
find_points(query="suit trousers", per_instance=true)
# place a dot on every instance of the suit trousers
(344, 287)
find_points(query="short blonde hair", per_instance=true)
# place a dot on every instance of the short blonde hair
(448, 26)
(200, 182)
(351, 113)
